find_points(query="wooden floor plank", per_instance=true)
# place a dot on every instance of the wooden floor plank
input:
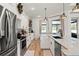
(35, 46)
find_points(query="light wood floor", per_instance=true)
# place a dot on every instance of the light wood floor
(35, 46)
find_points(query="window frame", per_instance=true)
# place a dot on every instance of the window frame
(43, 23)
(55, 25)
(76, 27)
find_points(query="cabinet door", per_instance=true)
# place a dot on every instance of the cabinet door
(32, 36)
(52, 46)
(28, 41)
(44, 42)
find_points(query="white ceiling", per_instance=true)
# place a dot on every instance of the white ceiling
(52, 9)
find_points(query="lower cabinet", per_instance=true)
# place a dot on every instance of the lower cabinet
(29, 39)
(63, 54)
(63, 50)
(44, 41)
(52, 46)
(57, 49)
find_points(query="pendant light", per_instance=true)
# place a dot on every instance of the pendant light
(63, 16)
(76, 8)
(45, 15)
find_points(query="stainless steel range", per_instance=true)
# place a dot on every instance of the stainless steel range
(8, 40)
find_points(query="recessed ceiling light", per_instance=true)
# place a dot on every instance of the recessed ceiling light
(32, 8)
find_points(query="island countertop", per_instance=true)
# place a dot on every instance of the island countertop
(60, 41)
(69, 51)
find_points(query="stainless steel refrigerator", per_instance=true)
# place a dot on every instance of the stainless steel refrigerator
(8, 39)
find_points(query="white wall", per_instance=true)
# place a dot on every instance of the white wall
(24, 22)
(36, 27)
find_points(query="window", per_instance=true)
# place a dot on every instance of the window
(74, 28)
(56, 28)
(43, 28)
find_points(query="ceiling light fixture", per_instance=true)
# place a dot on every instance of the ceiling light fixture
(38, 16)
(76, 8)
(45, 15)
(32, 8)
(63, 16)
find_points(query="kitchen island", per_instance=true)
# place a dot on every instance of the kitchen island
(62, 46)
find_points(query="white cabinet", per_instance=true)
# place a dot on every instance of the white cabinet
(44, 41)
(64, 51)
(51, 45)
(29, 39)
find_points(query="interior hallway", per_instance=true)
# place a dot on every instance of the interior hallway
(35, 50)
